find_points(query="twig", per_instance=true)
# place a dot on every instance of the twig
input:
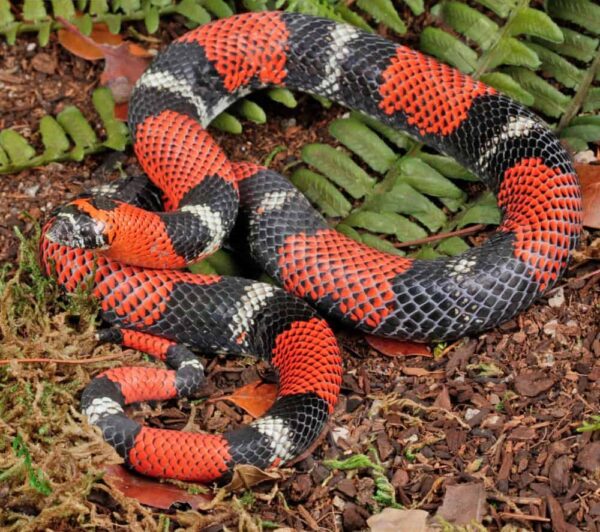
(523, 517)
(4, 361)
(581, 278)
(441, 236)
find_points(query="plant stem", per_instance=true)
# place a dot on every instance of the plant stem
(441, 236)
(582, 91)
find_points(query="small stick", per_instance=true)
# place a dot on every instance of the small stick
(523, 517)
(582, 278)
(441, 236)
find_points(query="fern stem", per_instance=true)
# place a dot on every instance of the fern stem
(582, 91)
(488, 55)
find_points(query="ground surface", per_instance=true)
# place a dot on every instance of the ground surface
(499, 410)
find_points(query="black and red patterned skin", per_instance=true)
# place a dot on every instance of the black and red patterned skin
(170, 314)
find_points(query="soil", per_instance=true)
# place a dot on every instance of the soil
(499, 410)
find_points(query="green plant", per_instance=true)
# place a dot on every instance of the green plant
(590, 425)
(69, 136)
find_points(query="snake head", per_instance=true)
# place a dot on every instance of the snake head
(83, 223)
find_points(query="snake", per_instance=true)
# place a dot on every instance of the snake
(130, 241)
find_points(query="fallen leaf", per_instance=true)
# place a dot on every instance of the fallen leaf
(394, 520)
(124, 61)
(88, 47)
(463, 504)
(589, 457)
(255, 398)
(443, 400)
(589, 177)
(422, 372)
(394, 348)
(150, 492)
(245, 476)
(532, 383)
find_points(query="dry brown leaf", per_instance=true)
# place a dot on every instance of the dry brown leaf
(245, 476)
(393, 348)
(463, 504)
(395, 520)
(148, 491)
(124, 61)
(589, 176)
(422, 372)
(255, 398)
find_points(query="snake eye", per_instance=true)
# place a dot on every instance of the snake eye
(77, 229)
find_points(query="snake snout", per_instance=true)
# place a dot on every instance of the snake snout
(76, 229)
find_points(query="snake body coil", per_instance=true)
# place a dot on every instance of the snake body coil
(145, 229)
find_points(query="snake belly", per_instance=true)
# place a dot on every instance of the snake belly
(170, 313)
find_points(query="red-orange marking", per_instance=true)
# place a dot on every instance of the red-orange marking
(434, 97)
(144, 384)
(356, 276)
(181, 455)
(177, 154)
(244, 47)
(147, 343)
(308, 359)
(543, 208)
(245, 170)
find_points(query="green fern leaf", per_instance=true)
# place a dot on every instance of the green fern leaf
(404, 199)
(558, 67)
(416, 6)
(508, 86)
(528, 21)
(6, 16)
(63, 8)
(483, 211)
(321, 193)
(4, 161)
(592, 102)
(219, 8)
(425, 179)
(228, 123)
(98, 7)
(193, 11)
(448, 48)
(575, 45)
(358, 138)
(380, 244)
(77, 127)
(452, 246)
(393, 135)
(386, 223)
(502, 8)
(510, 51)
(19, 151)
(34, 10)
(547, 99)
(283, 96)
(116, 131)
(338, 167)
(383, 11)
(54, 139)
(353, 18)
(350, 232)
(251, 111)
(584, 13)
(585, 127)
(470, 23)
(447, 166)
